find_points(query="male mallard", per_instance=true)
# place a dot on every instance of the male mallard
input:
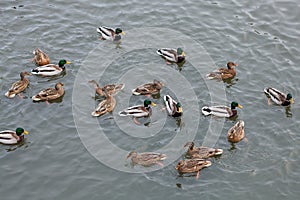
(40, 58)
(148, 88)
(105, 106)
(18, 86)
(221, 111)
(50, 93)
(174, 108)
(12, 137)
(146, 158)
(279, 97)
(172, 55)
(109, 33)
(51, 69)
(201, 152)
(237, 132)
(110, 89)
(223, 73)
(192, 165)
(139, 111)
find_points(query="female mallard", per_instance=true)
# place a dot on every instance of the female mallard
(105, 106)
(172, 55)
(110, 89)
(139, 111)
(201, 152)
(223, 73)
(50, 93)
(148, 88)
(192, 165)
(18, 86)
(12, 137)
(237, 132)
(146, 158)
(279, 97)
(109, 33)
(51, 69)
(174, 108)
(40, 58)
(221, 111)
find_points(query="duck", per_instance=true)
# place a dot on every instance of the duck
(279, 97)
(105, 106)
(146, 158)
(139, 110)
(148, 88)
(223, 73)
(221, 111)
(40, 58)
(174, 108)
(109, 33)
(12, 137)
(51, 69)
(202, 152)
(50, 93)
(111, 89)
(172, 55)
(237, 132)
(18, 86)
(192, 165)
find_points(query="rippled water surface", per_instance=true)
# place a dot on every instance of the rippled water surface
(261, 36)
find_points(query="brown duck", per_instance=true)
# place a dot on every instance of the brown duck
(223, 73)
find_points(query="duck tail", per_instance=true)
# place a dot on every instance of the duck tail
(206, 110)
(211, 76)
(123, 113)
(135, 92)
(159, 52)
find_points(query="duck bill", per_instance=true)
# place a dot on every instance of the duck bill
(183, 54)
(291, 100)
(239, 106)
(123, 33)
(68, 62)
(180, 110)
(153, 104)
(26, 132)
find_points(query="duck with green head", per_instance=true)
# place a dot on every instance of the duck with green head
(109, 33)
(172, 55)
(12, 137)
(51, 69)
(221, 111)
(278, 97)
(174, 108)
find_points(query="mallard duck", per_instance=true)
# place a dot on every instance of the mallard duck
(237, 132)
(146, 158)
(148, 88)
(109, 33)
(192, 165)
(223, 73)
(221, 111)
(12, 137)
(174, 108)
(40, 58)
(201, 152)
(50, 93)
(105, 106)
(279, 97)
(51, 69)
(110, 89)
(18, 86)
(172, 55)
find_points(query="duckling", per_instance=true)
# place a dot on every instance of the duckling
(279, 97)
(110, 89)
(148, 88)
(221, 111)
(50, 93)
(146, 158)
(18, 86)
(202, 152)
(12, 137)
(192, 165)
(237, 132)
(223, 73)
(40, 58)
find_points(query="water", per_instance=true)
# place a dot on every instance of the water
(53, 163)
